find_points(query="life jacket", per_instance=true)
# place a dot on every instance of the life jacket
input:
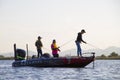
(54, 48)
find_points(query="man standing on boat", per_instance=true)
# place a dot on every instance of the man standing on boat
(78, 41)
(39, 46)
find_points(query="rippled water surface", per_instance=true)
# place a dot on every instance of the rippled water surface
(103, 70)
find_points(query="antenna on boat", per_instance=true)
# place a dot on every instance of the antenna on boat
(94, 59)
(15, 55)
(27, 50)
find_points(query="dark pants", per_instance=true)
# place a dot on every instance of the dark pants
(39, 52)
(55, 55)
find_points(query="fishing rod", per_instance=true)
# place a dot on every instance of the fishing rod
(66, 43)
(61, 45)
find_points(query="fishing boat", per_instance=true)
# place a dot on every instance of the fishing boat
(48, 61)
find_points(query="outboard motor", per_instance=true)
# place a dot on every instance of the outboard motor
(20, 54)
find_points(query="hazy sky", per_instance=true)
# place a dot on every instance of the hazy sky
(22, 21)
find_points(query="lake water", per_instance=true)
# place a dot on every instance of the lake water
(103, 70)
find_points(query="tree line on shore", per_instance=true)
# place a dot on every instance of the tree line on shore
(112, 55)
(6, 58)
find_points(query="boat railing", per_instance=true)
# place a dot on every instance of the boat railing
(89, 54)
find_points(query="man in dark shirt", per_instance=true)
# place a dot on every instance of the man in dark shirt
(78, 41)
(39, 46)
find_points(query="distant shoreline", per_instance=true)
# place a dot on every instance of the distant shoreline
(7, 58)
(96, 58)
(107, 58)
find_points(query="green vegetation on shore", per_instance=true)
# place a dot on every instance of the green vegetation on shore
(6, 58)
(112, 56)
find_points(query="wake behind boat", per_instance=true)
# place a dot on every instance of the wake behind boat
(47, 61)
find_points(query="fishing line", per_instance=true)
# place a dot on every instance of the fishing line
(93, 46)
(60, 46)
(66, 43)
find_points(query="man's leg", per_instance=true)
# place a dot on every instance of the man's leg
(78, 48)
(38, 53)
